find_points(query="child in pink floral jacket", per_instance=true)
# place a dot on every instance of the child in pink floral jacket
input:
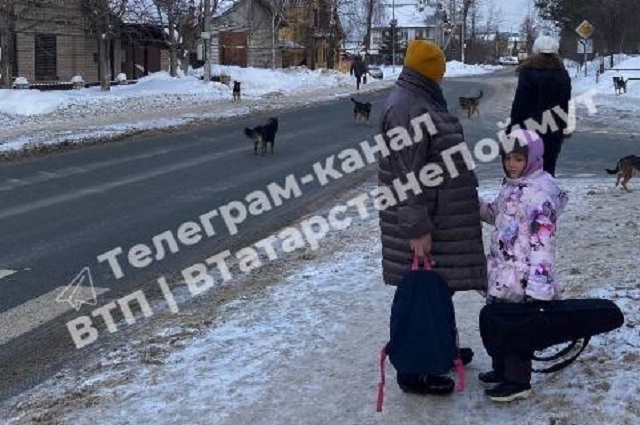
(522, 256)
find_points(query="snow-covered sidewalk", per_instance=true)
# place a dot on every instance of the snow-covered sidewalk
(302, 346)
(32, 118)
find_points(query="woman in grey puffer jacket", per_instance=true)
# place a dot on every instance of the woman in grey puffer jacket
(443, 222)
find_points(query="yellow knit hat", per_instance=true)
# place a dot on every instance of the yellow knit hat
(426, 58)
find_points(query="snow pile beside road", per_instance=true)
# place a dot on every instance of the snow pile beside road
(459, 69)
(606, 96)
(305, 347)
(454, 69)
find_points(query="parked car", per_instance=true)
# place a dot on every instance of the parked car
(375, 72)
(508, 60)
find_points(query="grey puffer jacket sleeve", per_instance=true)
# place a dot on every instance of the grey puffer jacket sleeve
(414, 218)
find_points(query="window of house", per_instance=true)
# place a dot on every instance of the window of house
(377, 37)
(46, 63)
(419, 34)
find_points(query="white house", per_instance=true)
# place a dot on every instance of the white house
(415, 19)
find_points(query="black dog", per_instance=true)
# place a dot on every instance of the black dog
(236, 91)
(263, 134)
(620, 84)
(361, 110)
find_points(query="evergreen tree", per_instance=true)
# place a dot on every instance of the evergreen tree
(390, 37)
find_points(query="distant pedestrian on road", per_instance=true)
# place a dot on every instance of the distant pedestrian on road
(359, 69)
(543, 84)
(440, 225)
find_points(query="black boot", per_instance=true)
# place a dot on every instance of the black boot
(426, 384)
(509, 391)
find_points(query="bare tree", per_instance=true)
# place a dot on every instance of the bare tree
(179, 20)
(353, 17)
(493, 19)
(278, 13)
(529, 32)
(105, 19)
(459, 11)
(367, 36)
(473, 22)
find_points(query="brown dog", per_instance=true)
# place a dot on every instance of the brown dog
(471, 104)
(627, 167)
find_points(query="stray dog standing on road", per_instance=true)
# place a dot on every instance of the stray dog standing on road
(264, 135)
(620, 84)
(361, 110)
(236, 91)
(626, 168)
(471, 104)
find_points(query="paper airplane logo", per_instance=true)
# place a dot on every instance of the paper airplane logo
(80, 291)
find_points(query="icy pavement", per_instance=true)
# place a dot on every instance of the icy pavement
(302, 346)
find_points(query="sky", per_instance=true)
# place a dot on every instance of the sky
(513, 12)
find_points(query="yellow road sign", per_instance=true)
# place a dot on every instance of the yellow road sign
(585, 29)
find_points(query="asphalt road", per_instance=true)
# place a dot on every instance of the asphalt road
(60, 212)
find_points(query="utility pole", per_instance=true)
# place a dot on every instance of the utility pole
(207, 40)
(463, 37)
(393, 37)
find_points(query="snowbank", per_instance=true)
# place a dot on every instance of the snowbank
(454, 69)
(305, 349)
(606, 96)
(29, 102)
(459, 69)
(160, 88)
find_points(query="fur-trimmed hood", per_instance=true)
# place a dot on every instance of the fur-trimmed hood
(543, 61)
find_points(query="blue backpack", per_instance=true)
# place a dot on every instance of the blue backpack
(423, 335)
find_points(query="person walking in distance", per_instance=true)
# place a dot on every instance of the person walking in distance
(358, 69)
(543, 84)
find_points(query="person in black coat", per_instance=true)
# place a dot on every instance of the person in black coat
(359, 69)
(543, 84)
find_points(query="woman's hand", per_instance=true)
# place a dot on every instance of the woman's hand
(422, 248)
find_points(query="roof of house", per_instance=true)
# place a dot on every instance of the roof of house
(228, 6)
(407, 14)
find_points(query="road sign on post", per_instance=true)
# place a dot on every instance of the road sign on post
(585, 31)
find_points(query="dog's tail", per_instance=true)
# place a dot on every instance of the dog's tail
(354, 101)
(250, 132)
(614, 171)
(481, 94)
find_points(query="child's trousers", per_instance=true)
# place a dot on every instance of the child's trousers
(513, 368)
(513, 365)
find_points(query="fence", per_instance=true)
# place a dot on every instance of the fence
(604, 64)
(55, 85)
